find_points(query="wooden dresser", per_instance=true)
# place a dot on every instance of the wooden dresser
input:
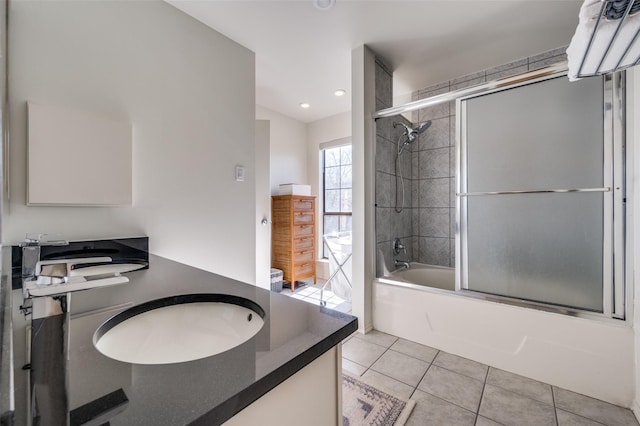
(293, 237)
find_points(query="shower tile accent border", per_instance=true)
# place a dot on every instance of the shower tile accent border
(560, 51)
(508, 72)
(509, 66)
(545, 62)
(465, 78)
(384, 83)
(469, 83)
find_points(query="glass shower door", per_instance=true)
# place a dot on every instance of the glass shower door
(535, 194)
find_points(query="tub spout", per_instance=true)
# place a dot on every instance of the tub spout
(402, 263)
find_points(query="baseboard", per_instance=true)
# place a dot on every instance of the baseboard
(636, 409)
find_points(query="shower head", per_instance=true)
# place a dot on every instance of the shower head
(420, 128)
(412, 133)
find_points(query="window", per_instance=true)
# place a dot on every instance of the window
(337, 197)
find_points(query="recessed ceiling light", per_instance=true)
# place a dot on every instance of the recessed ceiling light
(304, 105)
(340, 92)
(324, 4)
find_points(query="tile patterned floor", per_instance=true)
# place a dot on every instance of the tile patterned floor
(450, 390)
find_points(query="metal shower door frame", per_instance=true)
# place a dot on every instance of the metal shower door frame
(614, 199)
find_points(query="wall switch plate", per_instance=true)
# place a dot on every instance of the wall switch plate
(240, 173)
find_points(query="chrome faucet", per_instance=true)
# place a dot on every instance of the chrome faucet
(397, 248)
(46, 283)
(46, 306)
(31, 252)
(403, 263)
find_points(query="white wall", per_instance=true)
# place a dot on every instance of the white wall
(263, 205)
(188, 92)
(288, 149)
(363, 105)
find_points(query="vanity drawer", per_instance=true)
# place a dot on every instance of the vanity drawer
(302, 244)
(302, 256)
(302, 230)
(302, 217)
(303, 269)
(303, 204)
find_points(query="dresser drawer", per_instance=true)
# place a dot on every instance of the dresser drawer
(301, 244)
(302, 256)
(303, 204)
(302, 217)
(303, 269)
(302, 230)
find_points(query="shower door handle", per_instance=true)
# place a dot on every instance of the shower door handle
(534, 191)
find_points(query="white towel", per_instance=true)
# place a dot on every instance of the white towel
(589, 13)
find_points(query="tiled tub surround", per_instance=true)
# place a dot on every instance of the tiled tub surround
(432, 180)
(206, 391)
(389, 223)
(451, 390)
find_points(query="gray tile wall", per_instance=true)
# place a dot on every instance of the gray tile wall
(429, 233)
(389, 223)
(434, 181)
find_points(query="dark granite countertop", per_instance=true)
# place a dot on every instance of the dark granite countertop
(206, 391)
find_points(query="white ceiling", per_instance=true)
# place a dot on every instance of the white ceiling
(303, 54)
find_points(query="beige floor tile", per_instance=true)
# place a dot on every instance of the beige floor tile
(433, 411)
(416, 350)
(569, 419)
(453, 387)
(593, 409)
(401, 367)
(362, 352)
(378, 337)
(521, 385)
(483, 421)
(353, 367)
(510, 408)
(460, 365)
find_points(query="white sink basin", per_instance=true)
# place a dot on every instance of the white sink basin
(179, 329)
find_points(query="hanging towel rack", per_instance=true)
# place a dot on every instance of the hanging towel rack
(607, 38)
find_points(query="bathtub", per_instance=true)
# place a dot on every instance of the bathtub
(587, 356)
(420, 274)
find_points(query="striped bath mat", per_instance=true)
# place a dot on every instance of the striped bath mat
(365, 405)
